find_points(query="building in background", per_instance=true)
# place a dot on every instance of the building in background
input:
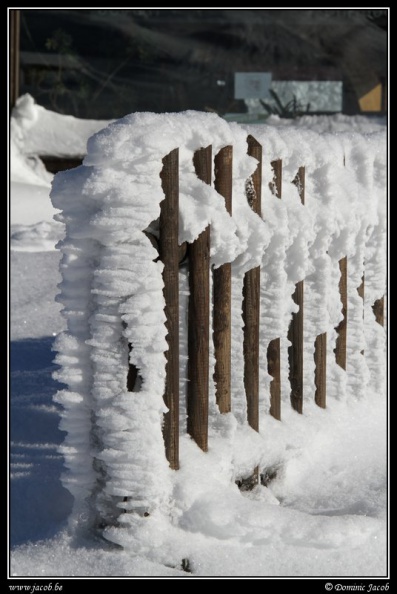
(105, 63)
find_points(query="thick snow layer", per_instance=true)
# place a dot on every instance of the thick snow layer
(47, 133)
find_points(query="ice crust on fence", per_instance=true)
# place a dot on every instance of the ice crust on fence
(111, 292)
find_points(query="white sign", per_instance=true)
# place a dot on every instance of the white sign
(320, 95)
(252, 85)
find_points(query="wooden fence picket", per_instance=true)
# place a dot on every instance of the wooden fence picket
(169, 254)
(295, 333)
(251, 312)
(320, 370)
(222, 291)
(341, 329)
(251, 299)
(273, 350)
(199, 319)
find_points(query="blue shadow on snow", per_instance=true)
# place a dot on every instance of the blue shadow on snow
(39, 504)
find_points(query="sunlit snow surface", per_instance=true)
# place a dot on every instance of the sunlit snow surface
(325, 512)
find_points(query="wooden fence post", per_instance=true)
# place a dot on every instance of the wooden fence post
(340, 347)
(273, 351)
(199, 319)
(169, 254)
(295, 333)
(222, 290)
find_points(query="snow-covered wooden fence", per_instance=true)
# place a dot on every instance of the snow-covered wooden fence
(207, 291)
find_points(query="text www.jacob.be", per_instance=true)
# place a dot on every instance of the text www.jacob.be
(36, 587)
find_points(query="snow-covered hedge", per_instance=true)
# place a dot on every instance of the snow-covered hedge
(112, 295)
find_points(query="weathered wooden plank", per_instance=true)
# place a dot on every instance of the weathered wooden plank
(251, 313)
(273, 368)
(295, 351)
(199, 319)
(320, 371)
(295, 333)
(222, 291)
(251, 299)
(251, 308)
(273, 351)
(341, 341)
(169, 254)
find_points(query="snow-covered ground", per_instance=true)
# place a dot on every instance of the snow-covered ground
(325, 513)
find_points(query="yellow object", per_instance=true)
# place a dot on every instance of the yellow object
(372, 101)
